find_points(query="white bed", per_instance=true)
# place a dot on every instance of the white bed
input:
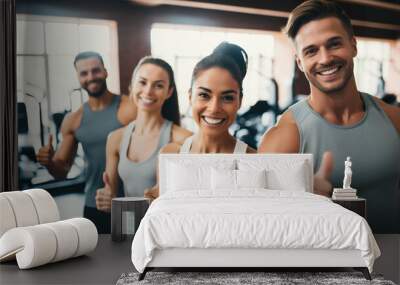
(203, 219)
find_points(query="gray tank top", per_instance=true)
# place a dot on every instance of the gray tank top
(374, 147)
(240, 147)
(92, 134)
(137, 176)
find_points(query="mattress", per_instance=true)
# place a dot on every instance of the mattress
(250, 219)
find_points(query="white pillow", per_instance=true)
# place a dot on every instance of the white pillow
(183, 178)
(292, 179)
(187, 175)
(280, 175)
(237, 179)
(223, 179)
(251, 178)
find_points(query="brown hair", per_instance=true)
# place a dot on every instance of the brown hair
(228, 56)
(170, 108)
(315, 10)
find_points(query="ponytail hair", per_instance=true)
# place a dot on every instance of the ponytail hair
(228, 56)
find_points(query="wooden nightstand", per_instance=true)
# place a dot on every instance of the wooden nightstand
(358, 205)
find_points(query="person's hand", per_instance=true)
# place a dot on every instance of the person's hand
(322, 184)
(151, 193)
(46, 153)
(104, 196)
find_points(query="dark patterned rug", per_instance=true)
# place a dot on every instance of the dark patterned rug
(269, 278)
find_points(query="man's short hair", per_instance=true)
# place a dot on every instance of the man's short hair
(88, 54)
(315, 10)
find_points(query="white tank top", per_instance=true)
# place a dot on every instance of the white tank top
(240, 146)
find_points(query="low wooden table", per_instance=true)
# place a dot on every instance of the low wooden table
(138, 205)
(357, 205)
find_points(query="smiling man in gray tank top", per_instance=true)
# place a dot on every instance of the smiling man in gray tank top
(337, 120)
(90, 126)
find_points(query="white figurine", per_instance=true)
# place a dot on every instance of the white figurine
(347, 174)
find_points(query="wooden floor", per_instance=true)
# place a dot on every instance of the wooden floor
(110, 260)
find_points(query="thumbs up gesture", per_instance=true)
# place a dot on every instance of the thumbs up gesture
(46, 153)
(322, 184)
(104, 195)
(152, 193)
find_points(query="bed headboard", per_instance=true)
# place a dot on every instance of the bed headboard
(281, 163)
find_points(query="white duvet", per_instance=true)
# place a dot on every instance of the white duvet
(256, 218)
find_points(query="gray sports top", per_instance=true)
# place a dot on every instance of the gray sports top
(92, 134)
(374, 147)
(240, 147)
(137, 176)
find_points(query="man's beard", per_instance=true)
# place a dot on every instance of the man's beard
(102, 90)
(332, 90)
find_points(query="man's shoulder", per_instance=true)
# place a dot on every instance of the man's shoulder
(72, 120)
(283, 137)
(393, 112)
(127, 110)
(124, 98)
(300, 110)
(286, 126)
(287, 118)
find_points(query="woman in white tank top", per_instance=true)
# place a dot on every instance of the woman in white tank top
(215, 97)
(131, 152)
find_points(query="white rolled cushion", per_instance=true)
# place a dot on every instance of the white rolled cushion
(40, 244)
(7, 218)
(23, 208)
(67, 239)
(33, 246)
(223, 179)
(87, 235)
(251, 178)
(45, 205)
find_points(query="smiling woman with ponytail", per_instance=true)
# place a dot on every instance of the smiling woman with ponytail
(216, 94)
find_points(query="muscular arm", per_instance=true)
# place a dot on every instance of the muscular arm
(282, 138)
(112, 159)
(63, 158)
